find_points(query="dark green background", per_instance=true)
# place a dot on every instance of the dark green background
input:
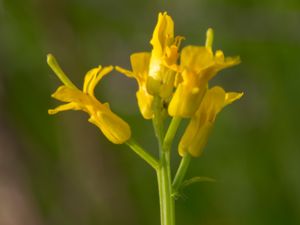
(61, 170)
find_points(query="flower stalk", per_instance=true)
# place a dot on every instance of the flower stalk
(167, 203)
(181, 172)
(143, 154)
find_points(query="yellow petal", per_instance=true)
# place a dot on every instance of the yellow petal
(140, 62)
(93, 77)
(187, 97)
(128, 73)
(145, 101)
(89, 78)
(64, 107)
(164, 54)
(222, 62)
(212, 103)
(198, 130)
(196, 58)
(162, 34)
(67, 94)
(194, 139)
(140, 66)
(104, 71)
(232, 96)
(188, 137)
(232, 61)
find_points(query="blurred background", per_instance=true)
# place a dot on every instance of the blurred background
(61, 170)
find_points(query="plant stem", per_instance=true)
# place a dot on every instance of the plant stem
(143, 154)
(167, 204)
(171, 133)
(158, 121)
(180, 174)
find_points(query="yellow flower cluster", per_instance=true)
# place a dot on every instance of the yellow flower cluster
(181, 82)
(179, 78)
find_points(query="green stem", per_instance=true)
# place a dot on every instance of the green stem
(171, 133)
(180, 174)
(158, 122)
(143, 154)
(167, 204)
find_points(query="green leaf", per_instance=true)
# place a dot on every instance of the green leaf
(193, 180)
(179, 194)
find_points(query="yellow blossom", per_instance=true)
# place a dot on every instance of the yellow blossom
(163, 58)
(113, 127)
(140, 66)
(198, 64)
(196, 134)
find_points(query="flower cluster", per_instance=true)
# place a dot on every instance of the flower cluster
(181, 79)
(178, 78)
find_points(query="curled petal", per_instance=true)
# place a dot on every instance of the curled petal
(93, 77)
(232, 96)
(90, 78)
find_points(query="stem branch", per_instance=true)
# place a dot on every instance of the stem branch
(143, 154)
(180, 174)
(171, 133)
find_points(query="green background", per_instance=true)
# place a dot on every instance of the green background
(61, 170)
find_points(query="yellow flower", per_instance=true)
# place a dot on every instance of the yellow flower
(163, 57)
(140, 66)
(198, 64)
(113, 127)
(196, 134)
